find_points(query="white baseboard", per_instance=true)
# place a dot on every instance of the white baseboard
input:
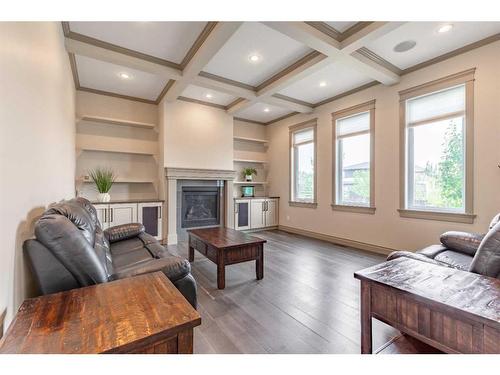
(172, 239)
(338, 240)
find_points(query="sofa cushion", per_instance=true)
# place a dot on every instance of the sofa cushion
(432, 251)
(69, 245)
(78, 215)
(175, 268)
(410, 255)
(463, 242)
(131, 257)
(487, 259)
(454, 259)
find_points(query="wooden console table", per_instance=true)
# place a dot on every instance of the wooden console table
(225, 246)
(451, 310)
(142, 314)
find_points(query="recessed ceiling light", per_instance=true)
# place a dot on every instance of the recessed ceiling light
(208, 95)
(404, 46)
(445, 28)
(322, 84)
(267, 110)
(124, 75)
(254, 58)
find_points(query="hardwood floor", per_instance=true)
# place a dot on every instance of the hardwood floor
(308, 301)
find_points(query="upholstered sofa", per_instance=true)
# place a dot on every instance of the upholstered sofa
(71, 250)
(478, 253)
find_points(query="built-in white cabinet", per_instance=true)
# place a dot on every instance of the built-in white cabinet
(255, 213)
(147, 213)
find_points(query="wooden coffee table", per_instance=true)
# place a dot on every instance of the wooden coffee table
(225, 246)
(451, 310)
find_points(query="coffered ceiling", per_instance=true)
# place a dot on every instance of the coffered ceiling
(258, 71)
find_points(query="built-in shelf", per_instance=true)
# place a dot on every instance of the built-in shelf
(114, 121)
(250, 182)
(250, 161)
(252, 140)
(120, 151)
(125, 180)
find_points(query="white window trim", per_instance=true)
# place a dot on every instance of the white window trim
(466, 77)
(351, 111)
(310, 124)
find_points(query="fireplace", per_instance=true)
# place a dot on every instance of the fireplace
(200, 206)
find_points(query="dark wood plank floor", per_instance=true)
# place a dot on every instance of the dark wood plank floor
(308, 301)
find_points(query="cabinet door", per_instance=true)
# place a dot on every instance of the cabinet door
(122, 213)
(150, 215)
(102, 214)
(257, 219)
(271, 212)
(242, 215)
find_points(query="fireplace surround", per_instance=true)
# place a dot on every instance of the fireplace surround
(204, 180)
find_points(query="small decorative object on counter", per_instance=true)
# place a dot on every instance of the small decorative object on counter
(103, 179)
(248, 173)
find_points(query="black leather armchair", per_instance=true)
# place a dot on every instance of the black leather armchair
(478, 253)
(71, 251)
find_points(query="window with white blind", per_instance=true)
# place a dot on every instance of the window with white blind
(437, 125)
(303, 163)
(353, 168)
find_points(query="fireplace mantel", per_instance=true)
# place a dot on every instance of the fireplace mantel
(172, 173)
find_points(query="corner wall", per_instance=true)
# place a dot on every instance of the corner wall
(386, 228)
(37, 152)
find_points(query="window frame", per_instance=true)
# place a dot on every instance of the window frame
(348, 112)
(465, 78)
(292, 201)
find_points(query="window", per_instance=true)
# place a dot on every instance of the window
(438, 150)
(353, 161)
(303, 164)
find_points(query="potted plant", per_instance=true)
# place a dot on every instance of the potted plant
(103, 179)
(248, 173)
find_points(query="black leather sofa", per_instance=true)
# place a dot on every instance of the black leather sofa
(478, 253)
(71, 251)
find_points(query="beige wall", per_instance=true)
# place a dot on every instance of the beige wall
(126, 166)
(37, 152)
(386, 228)
(197, 136)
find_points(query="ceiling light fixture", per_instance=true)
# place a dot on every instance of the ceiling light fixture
(208, 96)
(404, 46)
(267, 110)
(322, 84)
(254, 58)
(124, 76)
(445, 28)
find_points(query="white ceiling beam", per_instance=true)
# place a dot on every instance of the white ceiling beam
(113, 57)
(293, 74)
(330, 47)
(287, 104)
(225, 87)
(215, 40)
(367, 34)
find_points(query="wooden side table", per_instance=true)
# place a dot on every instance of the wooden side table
(451, 310)
(142, 314)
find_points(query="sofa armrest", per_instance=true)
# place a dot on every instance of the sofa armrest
(463, 242)
(123, 232)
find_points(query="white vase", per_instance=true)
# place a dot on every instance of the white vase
(248, 177)
(103, 197)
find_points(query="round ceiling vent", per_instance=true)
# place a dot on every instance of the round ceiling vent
(404, 46)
